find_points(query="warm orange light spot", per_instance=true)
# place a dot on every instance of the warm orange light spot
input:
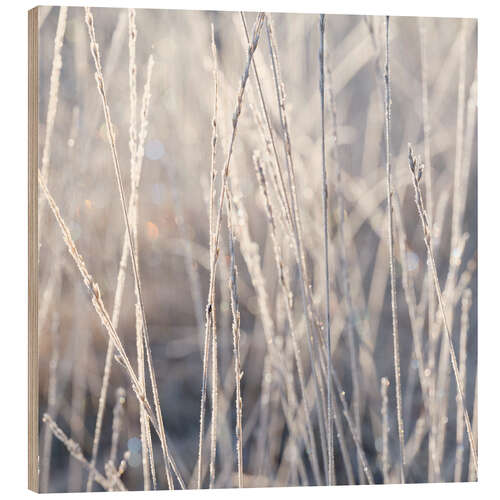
(152, 231)
(88, 204)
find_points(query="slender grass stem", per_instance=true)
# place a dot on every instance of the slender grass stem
(287, 297)
(213, 436)
(464, 327)
(75, 451)
(395, 332)
(331, 465)
(297, 235)
(55, 76)
(120, 279)
(384, 384)
(416, 168)
(213, 264)
(169, 462)
(346, 282)
(238, 373)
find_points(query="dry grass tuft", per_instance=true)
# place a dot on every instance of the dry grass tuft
(265, 192)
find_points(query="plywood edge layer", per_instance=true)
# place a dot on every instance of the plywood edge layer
(33, 468)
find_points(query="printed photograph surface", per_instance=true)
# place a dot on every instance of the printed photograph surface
(257, 239)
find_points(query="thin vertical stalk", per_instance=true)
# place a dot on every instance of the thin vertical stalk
(54, 89)
(148, 462)
(395, 333)
(417, 320)
(250, 252)
(53, 98)
(352, 428)
(416, 168)
(464, 327)
(213, 264)
(287, 297)
(331, 466)
(146, 445)
(456, 219)
(270, 142)
(80, 348)
(236, 343)
(433, 466)
(472, 475)
(297, 235)
(384, 384)
(443, 380)
(213, 433)
(51, 403)
(169, 462)
(344, 267)
(425, 116)
(94, 291)
(135, 174)
(118, 412)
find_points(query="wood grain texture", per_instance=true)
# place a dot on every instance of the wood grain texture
(33, 468)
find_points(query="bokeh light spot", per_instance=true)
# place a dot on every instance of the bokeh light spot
(152, 231)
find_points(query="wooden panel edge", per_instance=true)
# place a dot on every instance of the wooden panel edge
(33, 466)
